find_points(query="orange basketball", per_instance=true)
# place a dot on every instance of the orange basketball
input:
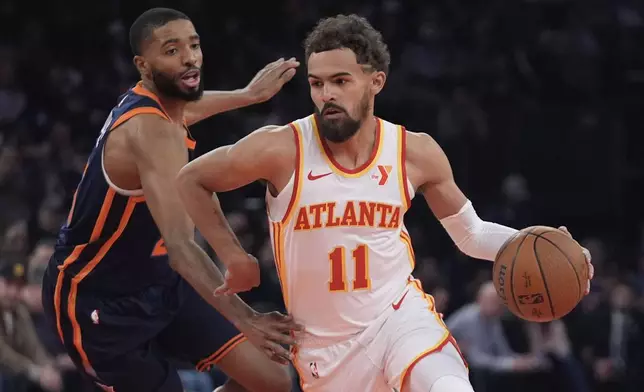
(540, 274)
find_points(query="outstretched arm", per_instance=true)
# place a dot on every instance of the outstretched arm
(266, 154)
(266, 83)
(429, 167)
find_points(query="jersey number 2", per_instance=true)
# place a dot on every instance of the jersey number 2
(337, 258)
(159, 249)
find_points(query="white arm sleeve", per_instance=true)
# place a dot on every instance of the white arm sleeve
(475, 237)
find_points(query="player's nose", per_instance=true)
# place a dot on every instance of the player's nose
(190, 59)
(328, 93)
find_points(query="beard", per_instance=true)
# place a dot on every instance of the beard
(338, 130)
(170, 87)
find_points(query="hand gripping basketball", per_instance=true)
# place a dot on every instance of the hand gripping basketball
(589, 260)
(542, 273)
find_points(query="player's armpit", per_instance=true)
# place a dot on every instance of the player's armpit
(429, 169)
(268, 153)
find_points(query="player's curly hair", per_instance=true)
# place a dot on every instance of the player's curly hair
(352, 32)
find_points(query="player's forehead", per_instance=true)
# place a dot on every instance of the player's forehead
(333, 62)
(176, 30)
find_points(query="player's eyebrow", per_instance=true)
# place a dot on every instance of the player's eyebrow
(194, 37)
(170, 41)
(335, 75)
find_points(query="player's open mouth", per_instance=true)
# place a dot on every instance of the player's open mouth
(191, 78)
(331, 112)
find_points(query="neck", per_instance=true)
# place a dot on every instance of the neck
(174, 107)
(359, 147)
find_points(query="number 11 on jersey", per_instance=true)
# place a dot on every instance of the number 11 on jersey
(337, 258)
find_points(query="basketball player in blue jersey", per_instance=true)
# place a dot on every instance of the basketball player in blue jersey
(339, 183)
(127, 286)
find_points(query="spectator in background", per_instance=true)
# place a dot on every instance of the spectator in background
(616, 343)
(29, 366)
(550, 340)
(478, 330)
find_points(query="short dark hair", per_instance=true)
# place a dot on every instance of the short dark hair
(351, 32)
(145, 24)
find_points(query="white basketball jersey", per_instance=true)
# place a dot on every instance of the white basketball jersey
(341, 249)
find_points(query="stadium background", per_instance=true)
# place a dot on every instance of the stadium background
(538, 104)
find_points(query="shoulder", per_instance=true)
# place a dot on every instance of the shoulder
(420, 147)
(147, 130)
(273, 141)
(425, 159)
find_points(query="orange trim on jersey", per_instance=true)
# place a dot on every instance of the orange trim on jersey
(191, 144)
(402, 167)
(77, 279)
(206, 363)
(96, 232)
(71, 210)
(438, 347)
(59, 285)
(139, 89)
(297, 367)
(278, 265)
(446, 338)
(410, 249)
(102, 215)
(339, 169)
(297, 180)
(279, 250)
(134, 112)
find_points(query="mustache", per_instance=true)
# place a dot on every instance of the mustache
(191, 69)
(330, 105)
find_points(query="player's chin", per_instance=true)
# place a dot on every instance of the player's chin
(191, 93)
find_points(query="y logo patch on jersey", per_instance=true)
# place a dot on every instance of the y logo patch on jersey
(94, 317)
(382, 175)
(314, 369)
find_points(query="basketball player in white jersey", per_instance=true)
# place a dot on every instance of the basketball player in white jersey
(339, 183)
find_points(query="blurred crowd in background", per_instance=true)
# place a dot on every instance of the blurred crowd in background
(538, 103)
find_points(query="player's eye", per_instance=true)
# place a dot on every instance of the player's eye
(171, 51)
(195, 46)
(340, 81)
(316, 83)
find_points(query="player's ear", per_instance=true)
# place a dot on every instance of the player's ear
(378, 79)
(141, 65)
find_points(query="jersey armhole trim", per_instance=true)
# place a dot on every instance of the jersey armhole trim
(297, 182)
(403, 182)
(127, 116)
(135, 112)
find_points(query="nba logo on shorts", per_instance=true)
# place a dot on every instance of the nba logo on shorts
(314, 369)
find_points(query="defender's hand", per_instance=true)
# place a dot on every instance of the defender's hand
(270, 332)
(271, 78)
(591, 269)
(241, 275)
